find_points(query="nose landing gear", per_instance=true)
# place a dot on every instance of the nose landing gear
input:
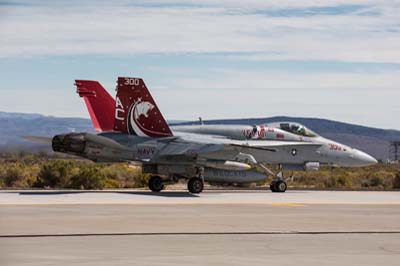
(278, 186)
(278, 183)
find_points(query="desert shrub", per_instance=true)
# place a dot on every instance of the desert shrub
(338, 181)
(396, 180)
(2, 175)
(127, 176)
(55, 174)
(111, 183)
(89, 177)
(17, 175)
(141, 179)
(346, 182)
(118, 171)
(376, 180)
(12, 175)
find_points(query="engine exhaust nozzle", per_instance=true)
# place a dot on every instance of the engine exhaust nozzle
(69, 143)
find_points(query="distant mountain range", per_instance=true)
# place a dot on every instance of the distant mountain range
(13, 125)
(372, 140)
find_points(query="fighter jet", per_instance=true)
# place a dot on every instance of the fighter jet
(230, 154)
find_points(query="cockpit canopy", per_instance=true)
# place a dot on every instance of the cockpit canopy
(297, 129)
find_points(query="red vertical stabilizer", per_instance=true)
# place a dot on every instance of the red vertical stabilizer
(136, 112)
(99, 103)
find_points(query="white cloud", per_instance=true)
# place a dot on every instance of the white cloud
(244, 31)
(211, 26)
(356, 98)
(241, 79)
(368, 98)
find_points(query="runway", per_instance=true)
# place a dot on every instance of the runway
(134, 227)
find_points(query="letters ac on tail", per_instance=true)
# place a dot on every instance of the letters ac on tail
(99, 103)
(136, 112)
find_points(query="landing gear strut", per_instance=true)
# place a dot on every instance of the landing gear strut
(196, 184)
(278, 183)
(156, 183)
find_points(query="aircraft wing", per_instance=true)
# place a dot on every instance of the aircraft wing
(273, 145)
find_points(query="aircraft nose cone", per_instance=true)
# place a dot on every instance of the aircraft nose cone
(363, 159)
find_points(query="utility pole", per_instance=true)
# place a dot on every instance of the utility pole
(394, 151)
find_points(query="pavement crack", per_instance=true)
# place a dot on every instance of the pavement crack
(198, 233)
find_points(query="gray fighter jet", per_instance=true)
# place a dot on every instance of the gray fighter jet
(229, 154)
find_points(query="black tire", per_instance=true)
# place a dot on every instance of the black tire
(195, 185)
(156, 183)
(280, 186)
(272, 187)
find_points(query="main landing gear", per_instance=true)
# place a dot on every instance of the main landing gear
(156, 183)
(195, 185)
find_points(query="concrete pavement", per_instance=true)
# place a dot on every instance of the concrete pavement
(216, 228)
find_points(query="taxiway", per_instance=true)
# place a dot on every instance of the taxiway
(134, 227)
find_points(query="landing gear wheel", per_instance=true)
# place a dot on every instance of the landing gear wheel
(195, 185)
(278, 186)
(156, 183)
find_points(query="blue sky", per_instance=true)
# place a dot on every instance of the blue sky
(218, 59)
